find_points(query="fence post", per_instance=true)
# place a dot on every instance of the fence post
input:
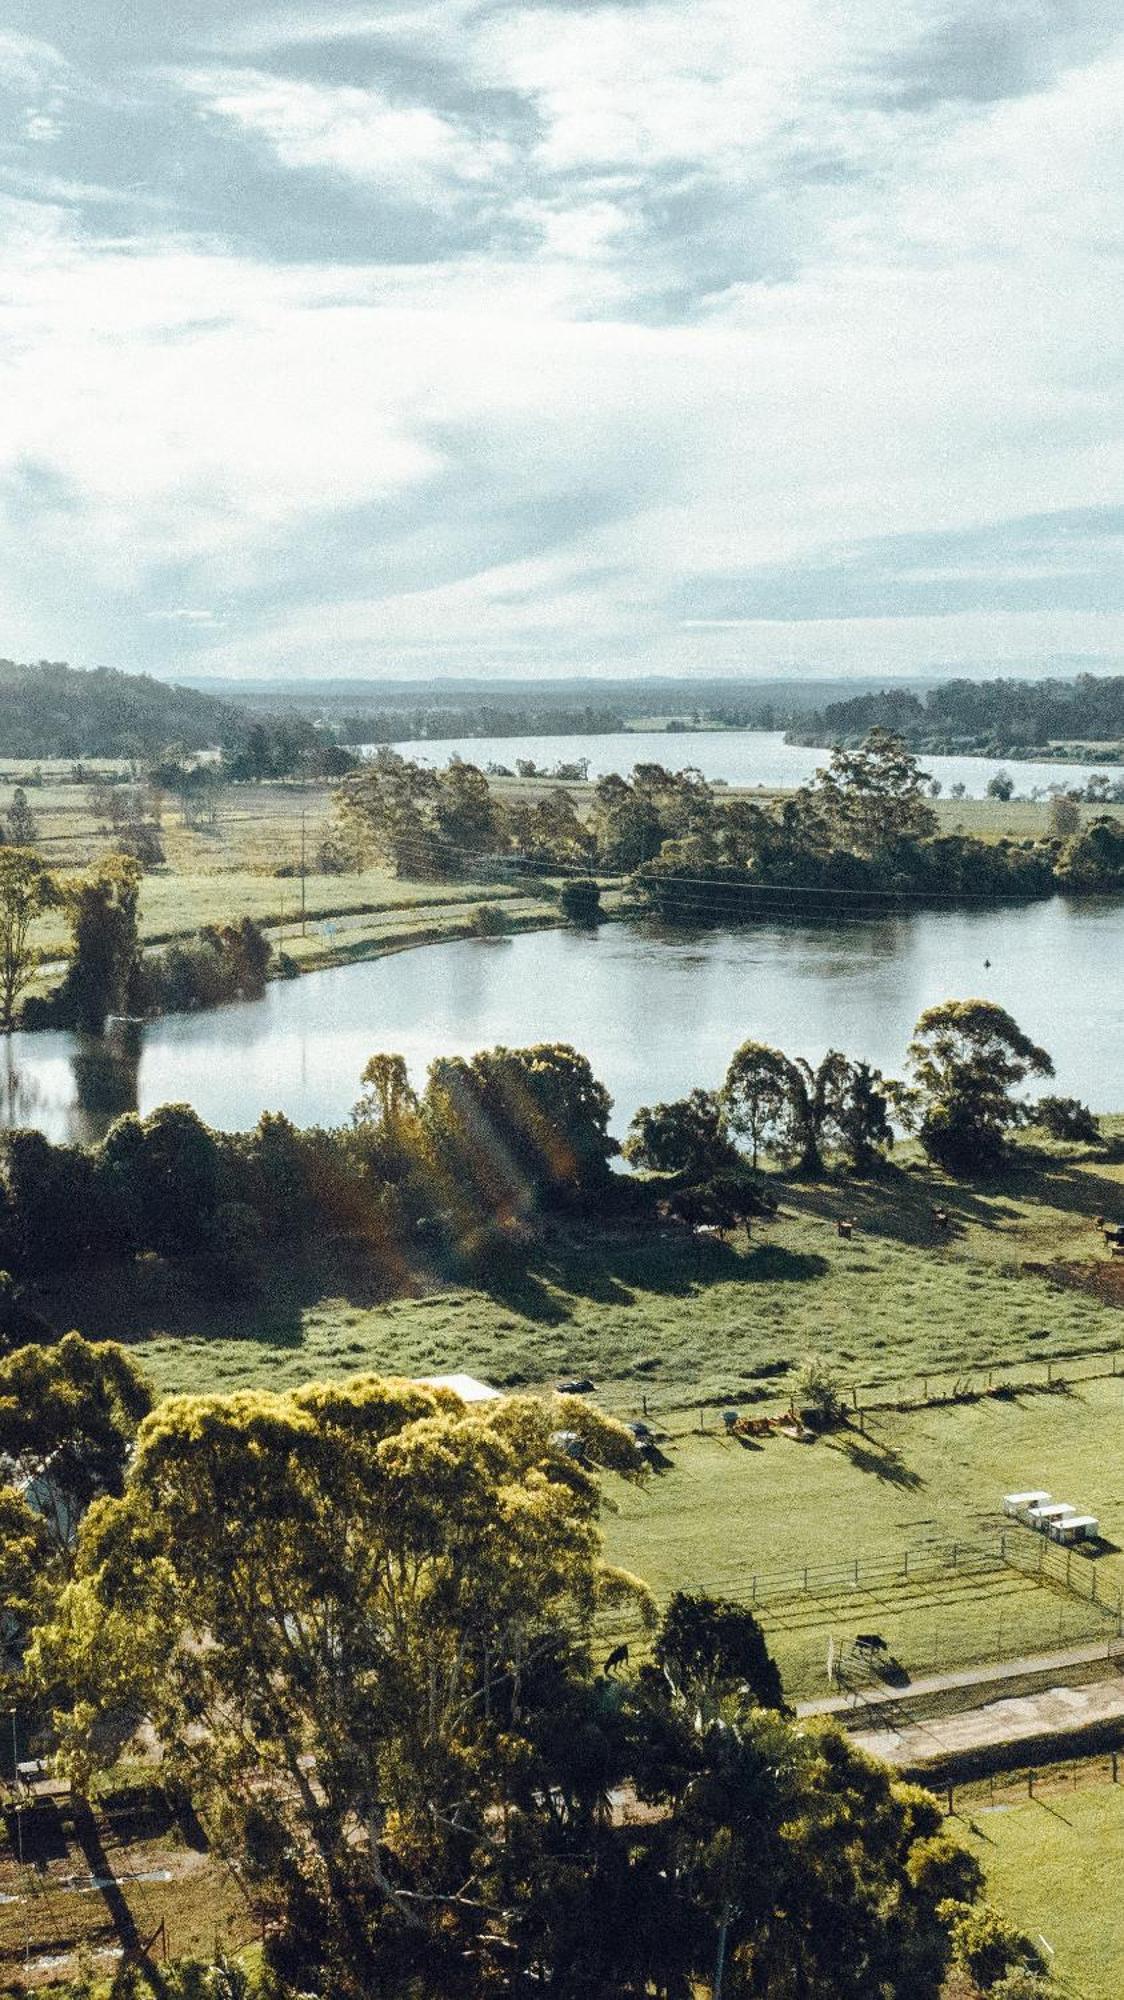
(950, 1805)
(856, 1572)
(1030, 1784)
(1049, 1373)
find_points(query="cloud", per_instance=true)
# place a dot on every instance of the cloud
(561, 335)
(355, 132)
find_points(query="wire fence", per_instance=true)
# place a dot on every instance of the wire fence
(1034, 1781)
(899, 1570)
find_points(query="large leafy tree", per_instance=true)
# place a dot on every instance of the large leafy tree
(102, 908)
(872, 799)
(966, 1059)
(513, 1129)
(69, 1416)
(27, 891)
(339, 1611)
(785, 1102)
(686, 1137)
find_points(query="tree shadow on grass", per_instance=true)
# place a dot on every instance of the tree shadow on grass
(121, 1916)
(867, 1455)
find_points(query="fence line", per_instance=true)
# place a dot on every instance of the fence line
(1017, 1550)
(1035, 1781)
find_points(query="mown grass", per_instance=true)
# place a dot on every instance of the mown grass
(1054, 1867)
(742, 1519)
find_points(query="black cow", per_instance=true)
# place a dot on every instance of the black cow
(870, 1642)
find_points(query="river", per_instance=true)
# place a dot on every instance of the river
(656, 1012)
(731, 757)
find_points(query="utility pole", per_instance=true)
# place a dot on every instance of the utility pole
(303, 926)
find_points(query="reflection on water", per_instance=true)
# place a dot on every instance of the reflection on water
(656, 1011)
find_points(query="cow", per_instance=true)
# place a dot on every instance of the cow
(870, 1642)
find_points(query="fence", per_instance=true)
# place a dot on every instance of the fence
(991, 1378)
(862, 1575)
(1036, 1781)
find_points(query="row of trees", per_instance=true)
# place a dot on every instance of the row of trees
(445, 1174)
(964, 1064)
(863, 829)
(355, 1628)
(449, 1175)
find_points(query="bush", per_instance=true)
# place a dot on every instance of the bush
(581, 901)
(489, 921)
(818, 1389)
(1066, 1118)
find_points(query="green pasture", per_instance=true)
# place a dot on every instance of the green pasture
(1054, 1866)
(840, 1536)
(649, 1315)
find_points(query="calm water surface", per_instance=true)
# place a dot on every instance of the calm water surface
(736, 757)
(656, 1012)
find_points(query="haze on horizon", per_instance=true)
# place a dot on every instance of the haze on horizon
(464, 337)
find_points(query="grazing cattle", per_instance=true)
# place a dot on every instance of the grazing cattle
(870, 1642)
(617, 1658)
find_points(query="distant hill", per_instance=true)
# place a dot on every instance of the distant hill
(52, 710)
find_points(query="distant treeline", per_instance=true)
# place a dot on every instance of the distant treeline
(392, 725)
(1084, 718)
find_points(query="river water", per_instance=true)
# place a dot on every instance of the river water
(731, 757)
(656, 1012)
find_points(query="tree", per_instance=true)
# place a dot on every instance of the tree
(1066, 1118)
(873, 798)
(343, 1612)
(862, 1116)
(69, 1415)
(709, 1648)
(686, 1137)
(22, 825)
(27, 891)
(1092, 862)
(756, 1096)
(580, 900)
(1002, 786)
(102, 909)
(514, 1129)
(966, 1058)
(797, 1104)
(1064, 816)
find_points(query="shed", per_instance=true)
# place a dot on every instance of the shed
(1075, 1528)
(1015, 1503)
(1041, 1517)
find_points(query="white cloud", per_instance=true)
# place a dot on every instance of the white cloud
(751, 304)
(351, 131)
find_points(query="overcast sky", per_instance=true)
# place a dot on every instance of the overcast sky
(488, 338)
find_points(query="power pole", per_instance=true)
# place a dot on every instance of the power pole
(303, 928)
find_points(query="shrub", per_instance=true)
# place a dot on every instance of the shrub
(489, 921)
(580, 901)
(1066, 1118)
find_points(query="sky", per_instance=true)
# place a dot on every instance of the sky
(661, 336)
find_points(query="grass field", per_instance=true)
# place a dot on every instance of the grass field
(742, 1519)
(651, 1314)
(1055, 1866)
